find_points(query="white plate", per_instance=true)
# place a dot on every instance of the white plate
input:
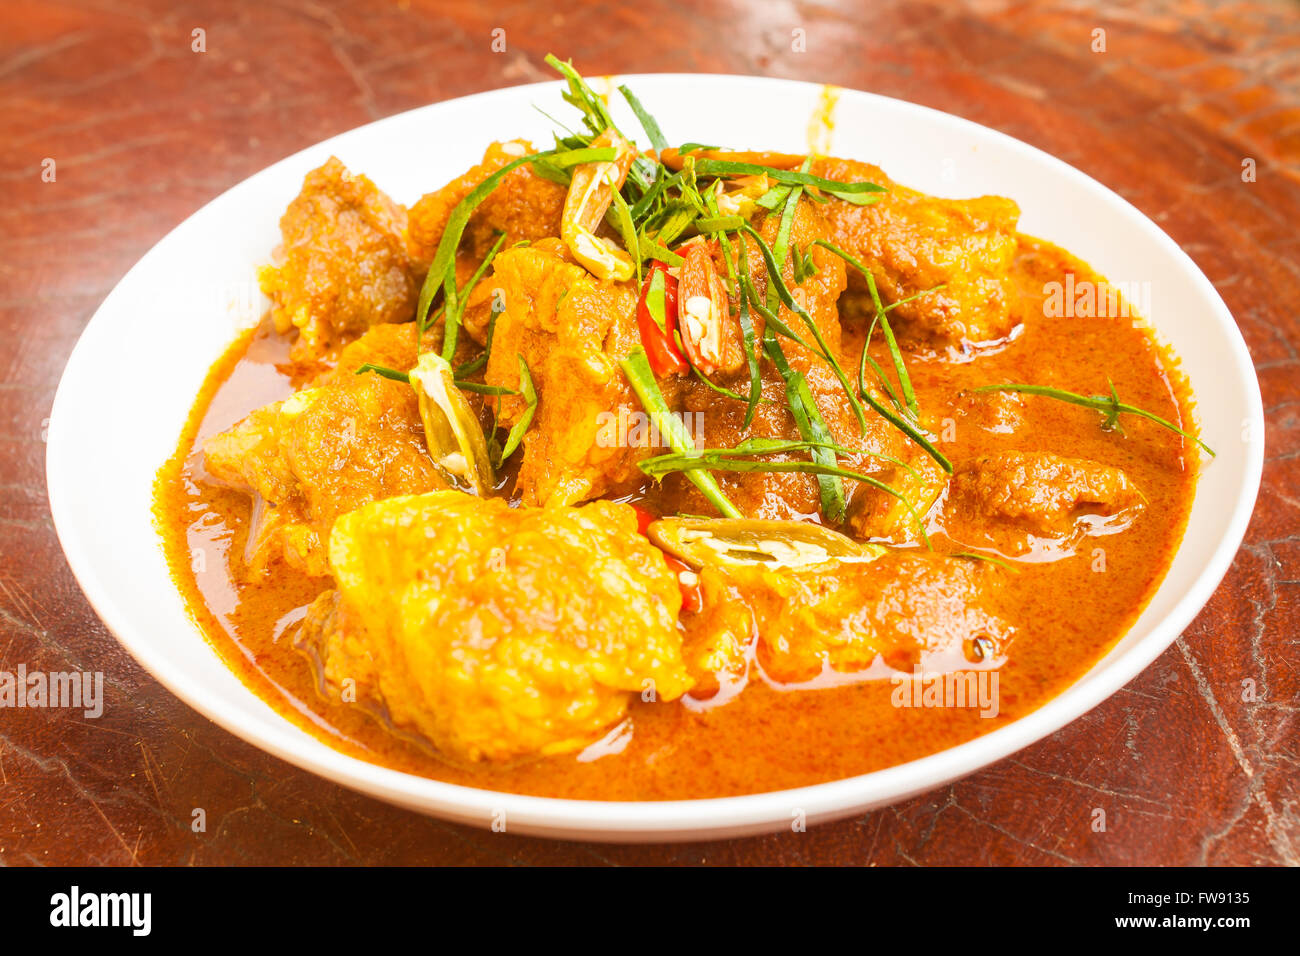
(134, 374)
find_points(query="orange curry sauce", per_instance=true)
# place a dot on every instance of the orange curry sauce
(1066, 613)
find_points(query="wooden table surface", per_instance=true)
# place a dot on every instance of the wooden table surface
(144, 130)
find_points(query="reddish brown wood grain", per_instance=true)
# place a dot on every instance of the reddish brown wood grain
(144, 131)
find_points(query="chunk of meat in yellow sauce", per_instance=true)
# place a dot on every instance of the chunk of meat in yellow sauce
(344, 442)
(913, 242)
(523, 206)
(878, 515)
(719, 640)
(342, 265)
(996, 412)
(908, 609)
(496, 633)
(1004, 501)
(572, 330)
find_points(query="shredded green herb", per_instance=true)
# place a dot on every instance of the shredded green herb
(455, 313)
(622, 217)
(719, 223)
(637, 369)
(442, 271)
(646, 120)
(881, 317)
(789, 301)
(721, 390)
(979, 556)
(811, 425)
(747, 336)
(656, 300)
(734, 459)
(1109, 405)
(383, 371)
(855, 192)
(579, 94)
(908, 429)
(773, 446)
(576, 157)
(475, 365)
(482, 389)
(521, 426)
(773, 198)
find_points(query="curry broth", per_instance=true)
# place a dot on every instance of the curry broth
(1066, 613)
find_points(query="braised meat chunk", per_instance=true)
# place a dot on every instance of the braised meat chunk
(913, 242)
(497, 634)
(342, 265)
(523, 206)
(328, 449)
(811, 602)
(910, 610)
(918, 481)
(1007, 501)
(905, 611)
(571, 329)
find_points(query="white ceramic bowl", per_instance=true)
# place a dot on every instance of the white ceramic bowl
(134, 374)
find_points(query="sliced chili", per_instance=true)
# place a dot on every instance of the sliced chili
(692, 594)
(660, 339)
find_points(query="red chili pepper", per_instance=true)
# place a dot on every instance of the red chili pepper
(703, 313)
(660, 348)
(644, 519)
(692, 595)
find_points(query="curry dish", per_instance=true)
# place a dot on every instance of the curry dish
(624, 472)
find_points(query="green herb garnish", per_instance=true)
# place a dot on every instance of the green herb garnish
(735, 290)
(482, 389)
(456, 305)
(442, 271)
(474, 365)
(621, 217)
(736, 459)
(788, 300)
(895, 354)
(521, 426)
(979, 556)
(811, 425)
(858, 193)
(719, 224)
(908, 429)
(656, 300)
(580, 95)
(773, 446)
(587, 154)
(747, 337)
(637, 369)
(385, 372)
(773, 197)
(1109, 405)
(721, 390)
(646, 120)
